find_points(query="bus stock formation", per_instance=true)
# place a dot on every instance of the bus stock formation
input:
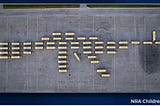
(91, 46)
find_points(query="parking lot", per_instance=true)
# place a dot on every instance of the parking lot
(135, 69)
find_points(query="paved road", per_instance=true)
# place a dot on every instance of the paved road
(1, 6)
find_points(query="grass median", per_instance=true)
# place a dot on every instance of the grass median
(13, 6)
(123, 5)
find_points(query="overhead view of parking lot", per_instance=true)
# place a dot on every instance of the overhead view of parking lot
(80, 50)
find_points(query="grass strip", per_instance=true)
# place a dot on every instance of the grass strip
(33, 6)
(123, 5)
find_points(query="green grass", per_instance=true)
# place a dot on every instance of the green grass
(123, 5)
(34, 6)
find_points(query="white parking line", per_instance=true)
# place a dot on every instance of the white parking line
(135, 33)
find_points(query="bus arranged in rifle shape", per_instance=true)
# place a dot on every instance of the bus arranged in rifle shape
(91, 47)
